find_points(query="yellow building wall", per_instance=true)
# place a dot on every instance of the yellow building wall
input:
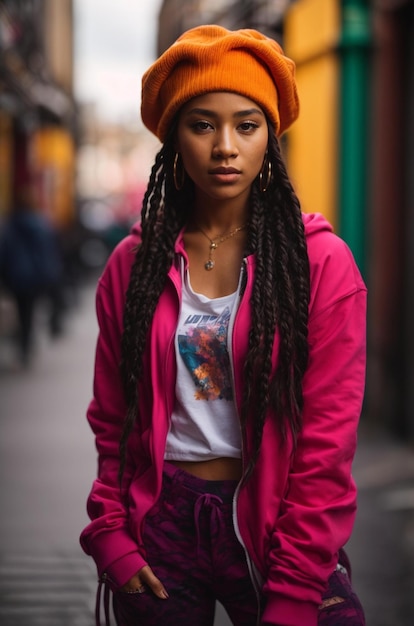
(312, 30)
(53, 160)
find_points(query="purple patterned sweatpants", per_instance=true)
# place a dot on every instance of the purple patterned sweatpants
(192, 548)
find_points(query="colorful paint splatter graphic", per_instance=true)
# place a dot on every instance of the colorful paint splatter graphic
(203, 349)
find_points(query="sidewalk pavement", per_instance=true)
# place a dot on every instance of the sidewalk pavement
(382, 546)
(47, 464)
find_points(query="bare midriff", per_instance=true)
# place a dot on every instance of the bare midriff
(215, 469)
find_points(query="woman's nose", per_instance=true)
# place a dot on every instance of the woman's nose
(226, 145)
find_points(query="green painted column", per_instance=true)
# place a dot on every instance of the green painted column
(354, 49)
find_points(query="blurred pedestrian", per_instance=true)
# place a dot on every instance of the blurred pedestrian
(226, 437)
(31, 268)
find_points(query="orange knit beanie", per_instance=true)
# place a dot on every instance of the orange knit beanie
(212, 58)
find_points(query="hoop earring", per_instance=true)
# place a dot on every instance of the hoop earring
(179, 180)
(264, 185)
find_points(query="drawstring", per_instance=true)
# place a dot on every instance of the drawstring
(206, 499)
(103, 582)
(104, 589)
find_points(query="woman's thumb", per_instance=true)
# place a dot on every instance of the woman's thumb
(149, 579)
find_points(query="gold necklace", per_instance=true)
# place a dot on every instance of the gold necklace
(214, 244)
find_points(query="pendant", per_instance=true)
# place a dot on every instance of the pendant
(209, 265)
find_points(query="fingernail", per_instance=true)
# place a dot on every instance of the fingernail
(164, 594)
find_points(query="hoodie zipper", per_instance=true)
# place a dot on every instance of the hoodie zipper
(254, 574)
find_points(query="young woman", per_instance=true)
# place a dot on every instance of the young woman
(229, 365)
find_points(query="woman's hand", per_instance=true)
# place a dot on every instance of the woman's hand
(146, 578)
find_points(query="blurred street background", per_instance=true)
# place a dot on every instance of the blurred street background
(74, 160)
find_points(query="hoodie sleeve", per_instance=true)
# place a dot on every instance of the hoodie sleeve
(318, 510)
(107, 538)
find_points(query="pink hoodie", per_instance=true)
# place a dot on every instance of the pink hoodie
(297, 510)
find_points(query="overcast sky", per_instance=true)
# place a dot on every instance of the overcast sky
(115, 42)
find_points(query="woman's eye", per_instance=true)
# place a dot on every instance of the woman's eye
(201, 126)
(248, 126)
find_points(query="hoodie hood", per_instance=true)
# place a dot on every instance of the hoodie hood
(315, 223)
(136, 229)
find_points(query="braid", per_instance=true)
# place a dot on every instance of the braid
(298, 268)
(161, 224)
(259, 361)
(280, 299)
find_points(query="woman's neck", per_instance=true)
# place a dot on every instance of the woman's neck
(218, 217)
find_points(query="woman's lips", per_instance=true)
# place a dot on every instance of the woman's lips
(224, 170)
(225, 174)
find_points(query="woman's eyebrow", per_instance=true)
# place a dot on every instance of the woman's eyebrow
(248, 112)
(209, 113)
(198, 111)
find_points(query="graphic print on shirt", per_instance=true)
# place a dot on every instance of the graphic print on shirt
(202, 344)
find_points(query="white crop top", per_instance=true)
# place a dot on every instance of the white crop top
(204, 422)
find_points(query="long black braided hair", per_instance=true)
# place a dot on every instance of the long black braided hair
(279, 300)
